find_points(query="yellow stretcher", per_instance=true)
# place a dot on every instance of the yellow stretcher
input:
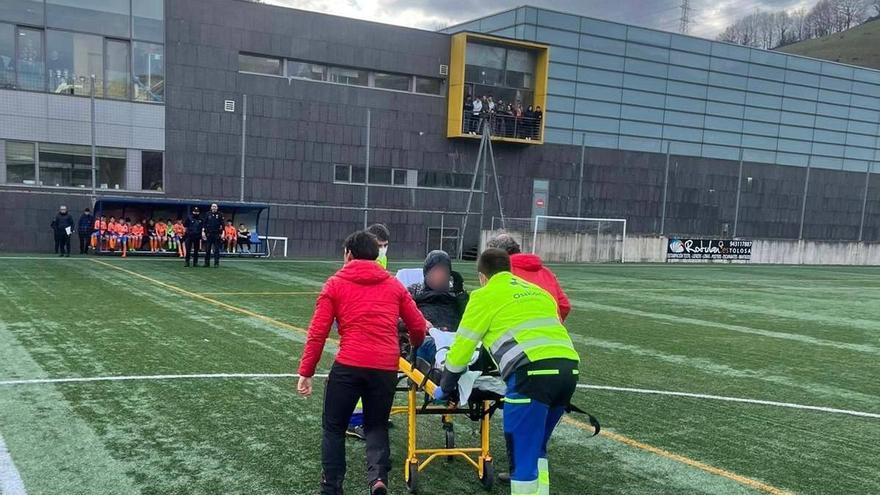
(478, 457)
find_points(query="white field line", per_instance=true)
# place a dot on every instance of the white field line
(10, 480)
(209, 376)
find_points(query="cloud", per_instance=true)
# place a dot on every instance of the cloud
(708, 17)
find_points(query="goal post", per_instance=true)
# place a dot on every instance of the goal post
(578, 239)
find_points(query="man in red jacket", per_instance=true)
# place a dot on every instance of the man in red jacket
(530, 268)
(366, 302)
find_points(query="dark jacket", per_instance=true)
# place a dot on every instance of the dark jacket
(86, 224)
(213, 224)
(193, 226)
(61, 223)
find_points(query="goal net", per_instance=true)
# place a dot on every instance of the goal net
(567, 239)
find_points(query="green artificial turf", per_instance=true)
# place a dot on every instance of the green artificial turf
(802, 335)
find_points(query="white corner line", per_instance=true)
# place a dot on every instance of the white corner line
(10, 479)
(732, 399)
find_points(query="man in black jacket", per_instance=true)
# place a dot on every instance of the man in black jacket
(84, 228)
(193, 235)
(213, 229)
(63, 227)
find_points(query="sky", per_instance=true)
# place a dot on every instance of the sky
(708, 17)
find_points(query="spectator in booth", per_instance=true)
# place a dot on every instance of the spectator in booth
(84, 228)
(62, 227)
(530, 268)
(539, 117)
(518, 119)
(230, 237)
(193, 234)
(476, 112)
(213, 232)
(467, 115)
(529, 122)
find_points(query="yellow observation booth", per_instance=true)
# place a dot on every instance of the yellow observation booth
(497, 85)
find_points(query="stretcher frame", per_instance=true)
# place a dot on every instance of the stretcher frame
(477, 457)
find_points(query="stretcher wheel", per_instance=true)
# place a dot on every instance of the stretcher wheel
(450, 438)
(488, 478)
(412, 482)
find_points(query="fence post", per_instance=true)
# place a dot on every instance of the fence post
(581, 176)
(804, 201)
(865, 200)
(367, 173)
(739, 185)
(665, 190)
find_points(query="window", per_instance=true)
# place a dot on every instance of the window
(151, 171)
(344, 75)
(29, 59)
(116, 77)
(381, 176)
(7, 55)
(305, 70)
(358, 175)
(342, 173)
(520, 67)
(429, 85)
(110, 17)
(148, 20)
(485, 64)
(398, 177)
(20, 166)
(149, 71)
(391, 81)
(64, 165)
(72, 60)
(260, 65)
(445, 180)
(23, 11)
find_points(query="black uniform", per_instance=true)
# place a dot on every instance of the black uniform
(84, 229)
(191, 238)
(213, 226)
(62, 239)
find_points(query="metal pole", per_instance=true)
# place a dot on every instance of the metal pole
(598, 233)
(665, 189)
(865, 200)
(581, 177)
(367, 173)
(804, 202)
(495, 175)
(470, 199)
(94, 164)
(483, 191)
(738, 193)
(243, 142)
(442, 229)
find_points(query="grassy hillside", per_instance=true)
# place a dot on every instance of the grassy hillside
(857, 46)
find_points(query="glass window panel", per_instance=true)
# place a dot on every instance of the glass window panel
(729, 66)
(429, 85)
(148, 20)
(684, 148)
(259, 64)
(558, 136)
(7, 56)
(724, 109)
(723, 123)
(730, 51)
(837, 70)
(759, 142)
(562, 120)
(866, 89)
(342, 173)
(149, 71)
(684, 118)
(485, 64)
(597, 124)
(643, 82)
(761, 128)
(793, 146)
(865, 102)
(727, 80)
(798, 105)
(647, 52)
(344, 75)
(762, 86)
(859, 154)
(398, 177)
(633, 143)
(832, 110)
(764, 72)
(602, 45)
(600, 61)
(20, 166)
(358, 175)
(600, 108)
(835, 84)
(29, 59)
(726, 95)
(556, 37)
(688, 75)
(767, 57)
(560, 104)
(793, 132)
(151, 170)
(304, 70)
(720, 152)
(640, 129)
(866, 75)
(646, 68)
(827, 149)
(71, 166)
(690, 44)
(521, 67)
(682, 134)
(802, 78)
(644, 99)
(718, 137)
(497, 21)
(764, 101)
(599, 76)
(830, 123)
(829, 162)
(641, 113)
(792, 159)
(110, 17)
(72, 59)
(559, 20)
(22, 11)
(686, 89)
(686, 104)
(565, 55)
(759, 156)
(862, 128)
(596, 92)
(380, 176)
(804, 64)
(647, 36)
(562, 71)
(560, 87)
(828, 96)
(392, 81)
(117, 70)
(762, 114)
(689, 59)
(602, 28)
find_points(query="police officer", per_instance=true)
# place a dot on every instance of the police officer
(213, 229)
(62, 227)
(192, 236)
(519, 323)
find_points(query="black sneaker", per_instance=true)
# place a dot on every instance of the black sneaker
(356, 432)
(378, 488)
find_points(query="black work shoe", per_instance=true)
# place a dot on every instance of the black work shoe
(378, 488)
(356, 432)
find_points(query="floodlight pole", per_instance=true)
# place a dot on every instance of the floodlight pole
(94, 164)
(738, 194)
(367, 173)
(243, 143)
(865, 200)
(665, 191)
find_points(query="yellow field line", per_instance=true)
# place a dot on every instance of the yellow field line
(309, 293)
(749, 482)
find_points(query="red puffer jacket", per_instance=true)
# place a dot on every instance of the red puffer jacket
(366, 302)
(530, 268)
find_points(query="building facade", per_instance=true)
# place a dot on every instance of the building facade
(335, 122)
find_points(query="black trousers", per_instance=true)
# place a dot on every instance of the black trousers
(192, 249)
(345, 386)
(62, 244)
(84, 238)
(212, 245)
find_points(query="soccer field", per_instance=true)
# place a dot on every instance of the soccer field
(666, 350)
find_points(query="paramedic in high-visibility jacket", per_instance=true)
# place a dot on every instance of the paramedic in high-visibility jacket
(518, 322)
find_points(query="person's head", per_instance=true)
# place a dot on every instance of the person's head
(214, 207)
(241, 226)
(127, 220)
(492, 262)
(360, 245)
(195, 211)
(505, 242)
(437, 270)
(530, 108)
(151, 222)
(103, 218)
(62, 209)
(112, 219)
(383, 236)
(229, 223)
(87, 211)
(538, 108)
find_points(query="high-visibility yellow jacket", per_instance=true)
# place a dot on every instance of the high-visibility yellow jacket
(516, 321)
